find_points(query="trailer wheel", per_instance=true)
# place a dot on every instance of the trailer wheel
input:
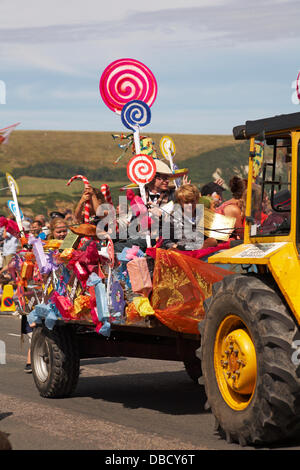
(250, 373)
(55, 361)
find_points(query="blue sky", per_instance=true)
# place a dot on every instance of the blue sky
(217, 62)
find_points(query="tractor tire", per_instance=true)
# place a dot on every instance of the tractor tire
(251, 377)
(55, 361)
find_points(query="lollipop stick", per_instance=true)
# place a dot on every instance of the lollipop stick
(171, 160)
(137, 143)
(108, 287)
(136, 137)
(18, 214)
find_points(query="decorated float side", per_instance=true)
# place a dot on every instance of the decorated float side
(81, 279)
(84, 282)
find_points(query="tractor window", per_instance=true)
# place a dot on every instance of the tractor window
(271, 189)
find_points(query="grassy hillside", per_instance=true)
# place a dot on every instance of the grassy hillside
(43, 161)
(91, 149)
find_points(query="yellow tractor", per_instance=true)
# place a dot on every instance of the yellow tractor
(250, 341)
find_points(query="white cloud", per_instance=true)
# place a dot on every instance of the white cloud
(75, 38)
(56, 51)
(36, 13)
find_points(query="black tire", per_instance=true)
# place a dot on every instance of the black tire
(55, 361)
(272, 413)
(193, 369)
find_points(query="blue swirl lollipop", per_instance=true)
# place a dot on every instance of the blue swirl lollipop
(135, 113)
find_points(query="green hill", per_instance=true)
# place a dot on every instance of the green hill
(43, 161)
(91, 149)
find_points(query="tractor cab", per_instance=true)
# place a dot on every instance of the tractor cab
(252, 322)
(272, 178)
(272, 221)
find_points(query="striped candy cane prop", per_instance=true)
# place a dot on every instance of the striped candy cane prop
(87, 206)
(104, 188)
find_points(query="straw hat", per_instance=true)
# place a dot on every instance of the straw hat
(87, 230)
(162, 167)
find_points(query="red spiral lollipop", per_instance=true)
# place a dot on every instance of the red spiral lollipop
(104, 188)
(125, 80)
(87, 206)
(141, 169)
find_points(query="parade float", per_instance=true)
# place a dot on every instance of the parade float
(83, 298)
(239, 329)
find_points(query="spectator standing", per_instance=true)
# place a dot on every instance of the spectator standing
(10, 246)
(37, 230)
(95, 199)
(58, 229)
(45, 225)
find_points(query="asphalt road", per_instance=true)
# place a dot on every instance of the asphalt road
(119, 403)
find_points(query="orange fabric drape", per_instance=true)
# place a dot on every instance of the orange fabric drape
(180, 285)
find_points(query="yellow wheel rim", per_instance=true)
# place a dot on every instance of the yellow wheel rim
(235, 362)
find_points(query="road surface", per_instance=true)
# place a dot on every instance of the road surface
(119, 403)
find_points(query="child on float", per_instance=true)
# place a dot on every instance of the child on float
(187, 197)
(58, 229)
(235, 207)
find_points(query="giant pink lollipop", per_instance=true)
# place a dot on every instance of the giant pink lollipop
(125, 80)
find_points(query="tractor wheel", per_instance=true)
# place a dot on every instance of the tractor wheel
(250, 373)
(55, 361)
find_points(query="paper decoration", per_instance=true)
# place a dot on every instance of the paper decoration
(87, 205)
(139, 276)
(257, 160)
(168, 150)
(117, 297)
(63, 304)
(5, 133)
(15, 191)
(135, 113)
(20, 295)
(69, 241)
(111, 253)
(147, 147)
(141, 169)
(143, 306)
(139, 209)
(125, 80)
(13, 209)
(101, 302)
(12, 182)
(218, 226)
(167, 146)
(38, 251)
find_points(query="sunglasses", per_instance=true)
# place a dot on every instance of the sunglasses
(162, 177)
